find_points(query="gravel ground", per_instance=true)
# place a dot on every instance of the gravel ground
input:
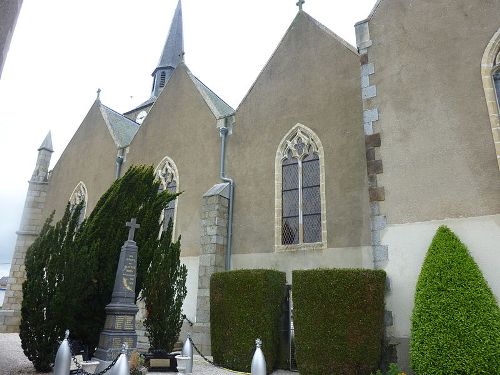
(13, 361)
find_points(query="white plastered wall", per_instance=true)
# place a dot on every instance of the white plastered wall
(189, 306)
(287, 261)
(408, 244)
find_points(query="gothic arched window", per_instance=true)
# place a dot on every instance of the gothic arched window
(300, 190)
(490, 72)
(167, 173)
(78, 196)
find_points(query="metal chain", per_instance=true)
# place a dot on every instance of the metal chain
(81, 371)
(201, 354)
(212, 362)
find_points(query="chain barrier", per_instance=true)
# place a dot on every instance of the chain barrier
(187, 320)
(81, 371)
(212, 362)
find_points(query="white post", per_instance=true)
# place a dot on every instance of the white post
(121, 366)
(62, 363)
(187, 351)
(258, 360)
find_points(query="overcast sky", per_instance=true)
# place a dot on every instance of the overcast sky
(63, 51)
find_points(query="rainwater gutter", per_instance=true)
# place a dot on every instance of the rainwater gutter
(224, 130)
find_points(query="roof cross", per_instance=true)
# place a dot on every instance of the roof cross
(132, 224)
(300, 3)
(98, 93)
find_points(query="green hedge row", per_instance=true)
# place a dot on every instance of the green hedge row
(456, 319)
(245, 305)
(339, 320)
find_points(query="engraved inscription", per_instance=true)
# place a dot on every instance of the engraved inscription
(129, 270)
(119, 322)
(129, 323)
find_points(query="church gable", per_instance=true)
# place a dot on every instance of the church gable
(91, 146)
(182, 128)
(307, 50)
(310, 83)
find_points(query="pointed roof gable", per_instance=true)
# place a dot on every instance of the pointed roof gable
(47, 143)
(219, 107)
(174, 45)
(301, 16)
(121, 128)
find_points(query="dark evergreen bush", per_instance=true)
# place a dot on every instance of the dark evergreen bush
(456, 320)
(43, 311)
(164, 292)
(245, 305)
(339, 320)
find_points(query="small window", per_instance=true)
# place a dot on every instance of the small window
(162, 79)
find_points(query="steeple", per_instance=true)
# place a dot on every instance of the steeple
(172, 53)
(41, 172)
(47, 143)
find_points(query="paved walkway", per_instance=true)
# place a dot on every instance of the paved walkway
(13, 361)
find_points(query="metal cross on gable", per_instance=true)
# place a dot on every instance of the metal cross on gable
(132, 224)
(300, 3)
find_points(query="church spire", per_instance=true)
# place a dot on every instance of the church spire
(172, 53)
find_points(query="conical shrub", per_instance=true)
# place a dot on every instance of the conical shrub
(456, 319)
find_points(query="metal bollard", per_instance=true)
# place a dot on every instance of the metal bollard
(121, 366)
(258, 360)
(187, 351)
(62, 363)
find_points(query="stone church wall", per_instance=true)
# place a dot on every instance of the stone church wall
(421, 78)
(312, 79)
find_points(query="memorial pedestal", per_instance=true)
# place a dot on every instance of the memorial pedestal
(119, 326)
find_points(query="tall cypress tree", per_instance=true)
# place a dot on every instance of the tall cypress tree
(164, 292)
(43, 315)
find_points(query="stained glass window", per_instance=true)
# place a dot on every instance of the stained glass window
(301, 195)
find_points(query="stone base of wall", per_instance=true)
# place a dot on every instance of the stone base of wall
(10, 321)
(201, 338)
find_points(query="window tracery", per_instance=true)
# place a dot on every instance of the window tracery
(79, 195)
(167, 174)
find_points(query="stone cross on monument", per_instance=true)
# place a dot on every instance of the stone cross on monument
(132, 224)
(300, 3)
(119, 327)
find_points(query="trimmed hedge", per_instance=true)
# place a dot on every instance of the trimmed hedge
(245, 305)
(456, 320)
(339, 320)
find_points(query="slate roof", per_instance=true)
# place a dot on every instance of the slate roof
(122, 129)
(219, 107)
(174, 45)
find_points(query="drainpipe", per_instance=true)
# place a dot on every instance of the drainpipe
(119, 162)
(223, 131)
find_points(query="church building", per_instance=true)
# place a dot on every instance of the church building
(339, 156)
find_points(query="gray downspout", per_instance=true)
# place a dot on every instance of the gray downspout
(119, 162)
(223, 134)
